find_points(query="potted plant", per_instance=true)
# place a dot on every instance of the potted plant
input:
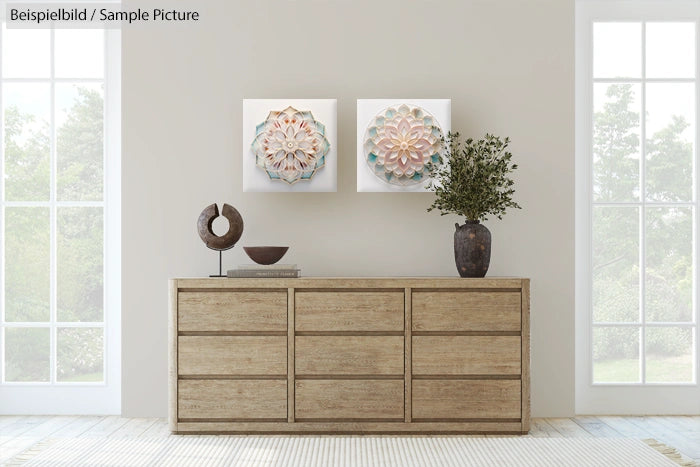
(472, 179)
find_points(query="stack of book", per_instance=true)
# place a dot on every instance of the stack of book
(260, 270)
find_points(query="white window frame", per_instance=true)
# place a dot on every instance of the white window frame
(80, 398)
(622, 398)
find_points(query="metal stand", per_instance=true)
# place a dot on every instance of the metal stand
(221, 252)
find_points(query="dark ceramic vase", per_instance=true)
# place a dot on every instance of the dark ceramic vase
(472, 249)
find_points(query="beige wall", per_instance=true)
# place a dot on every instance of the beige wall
(507, 65)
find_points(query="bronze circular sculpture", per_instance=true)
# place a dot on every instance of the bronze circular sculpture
(229, 239)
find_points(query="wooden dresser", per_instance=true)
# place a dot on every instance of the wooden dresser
(350, 355)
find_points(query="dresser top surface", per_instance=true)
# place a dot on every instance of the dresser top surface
(354, 282)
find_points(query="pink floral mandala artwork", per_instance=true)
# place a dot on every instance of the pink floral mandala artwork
(400, 142)
(290, 145)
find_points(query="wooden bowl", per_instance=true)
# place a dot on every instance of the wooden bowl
(265, 254)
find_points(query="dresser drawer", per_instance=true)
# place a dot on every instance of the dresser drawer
(232, 311)
(349, 399)
(466, 355)
(232, 355)
(349, 355)
(454, 399)
(466, 311)
(243, 399)
(349, 311)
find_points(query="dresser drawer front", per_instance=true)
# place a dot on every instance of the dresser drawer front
(349, 355)
(466, 311)
(244, 399)
(232, 311)
(466, 355)
(349, 311)
(232, 355)
(466, 399)
(349, 399)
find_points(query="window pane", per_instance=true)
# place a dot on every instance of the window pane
(669, 355)
(670, 140)
(20, 44)
(79, 53)
(79, 268)
(26, 110)
(616, 140)
(615, 264)
(669, 264)
(615, 355)
(670, 50)
(80, 354)
(79, 145)
(617, 50)
(27, 354)
(27, 268)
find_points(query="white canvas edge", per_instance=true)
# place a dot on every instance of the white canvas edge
(367, 109)
(256, 111)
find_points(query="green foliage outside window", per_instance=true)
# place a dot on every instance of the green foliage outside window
(668, 275)
(79, 238)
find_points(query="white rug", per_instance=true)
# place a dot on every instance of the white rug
(343, 451)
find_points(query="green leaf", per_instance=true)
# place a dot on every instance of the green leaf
(472, 177)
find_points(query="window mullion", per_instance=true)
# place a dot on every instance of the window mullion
(642, 211)
(696, 173)
(60, 204)
(657, 204)
(661, 324)
(106, 356)
(53, 364)
(55, 80)
(639, 80)
(590, 205)
(2, 221)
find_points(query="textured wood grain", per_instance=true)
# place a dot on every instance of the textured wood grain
(106, 426)
(339, 427)
(135, 427)
(13, 443)
(435, 399)
(291, 319)
(347, 355)
(353, 282)
(568, 428)
(232, 355)
(596, 427)
(525, 364)
(349, 399)
(172, 354)
(457, 355)
(232, 311)
(408, 303)
(353, 353)
(349, 311)
(213, 399)
(466, 311)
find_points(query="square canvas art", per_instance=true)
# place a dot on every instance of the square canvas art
(290, 145)
(396, 138)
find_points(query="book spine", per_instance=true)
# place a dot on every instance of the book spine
(267, 267)
(255, 273)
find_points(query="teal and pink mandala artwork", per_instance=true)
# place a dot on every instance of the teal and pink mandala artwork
(399, 144)
(290, 145)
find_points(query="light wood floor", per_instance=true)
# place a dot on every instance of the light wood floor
(18, 433)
